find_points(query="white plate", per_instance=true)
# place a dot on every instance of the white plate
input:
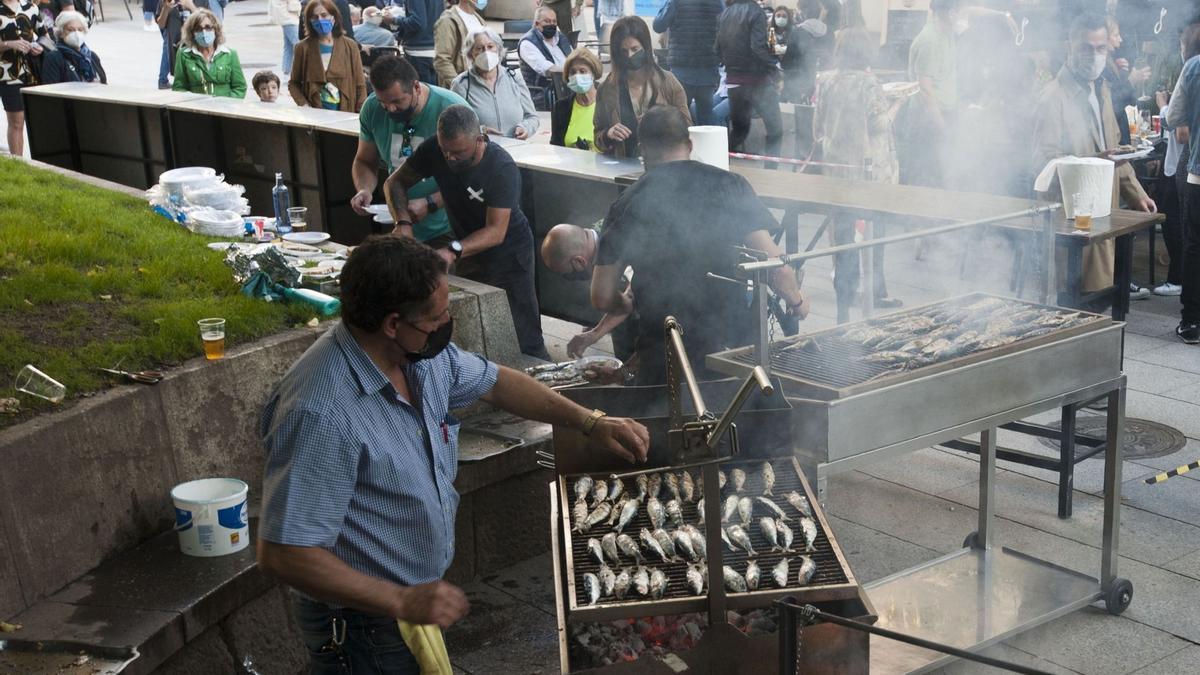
(310, 238)
(377, 209)
(1138, 154)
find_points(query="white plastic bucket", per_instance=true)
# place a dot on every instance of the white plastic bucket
(210, 516)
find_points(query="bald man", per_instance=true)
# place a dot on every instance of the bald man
(570, 251)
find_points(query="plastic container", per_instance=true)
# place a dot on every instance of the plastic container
(175, 181)
(213, 223)
(221, 196)
(210, 516)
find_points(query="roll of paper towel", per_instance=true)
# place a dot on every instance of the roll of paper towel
(710, 145)
(1091, 177)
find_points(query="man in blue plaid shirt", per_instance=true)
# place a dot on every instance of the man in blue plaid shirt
(358, 497)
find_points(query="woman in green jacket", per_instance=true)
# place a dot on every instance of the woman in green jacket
(204, 65)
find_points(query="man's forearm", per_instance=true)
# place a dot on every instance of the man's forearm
(783, 282)
(523, 396)
(395, 192)
(609, 322)
(323, 576)
(365, 177)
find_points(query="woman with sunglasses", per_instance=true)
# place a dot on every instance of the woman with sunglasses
(204, 65)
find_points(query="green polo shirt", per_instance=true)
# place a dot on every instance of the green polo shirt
(376, 126)
(932, 55)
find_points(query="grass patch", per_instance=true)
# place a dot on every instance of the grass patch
(90, 277)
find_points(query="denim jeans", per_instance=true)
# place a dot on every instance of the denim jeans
(744, 100)
(701, 98)
(1190, 299)
(291, 35)
(348, 642)
(720, 111)
(217, 9)
(847, 266)
(164, 65)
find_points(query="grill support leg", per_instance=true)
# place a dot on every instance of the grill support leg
(1066, 466)
(1113, 458)
(987, 487)
(787, 638)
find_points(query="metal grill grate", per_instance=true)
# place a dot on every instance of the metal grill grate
(838, 363)
(829, 571)
(830, 360)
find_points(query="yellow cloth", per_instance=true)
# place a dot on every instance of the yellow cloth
(426, 644)
(580, 127)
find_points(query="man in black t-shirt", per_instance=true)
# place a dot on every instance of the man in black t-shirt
(479, 185)
(679, 222)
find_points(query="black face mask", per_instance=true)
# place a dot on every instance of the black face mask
(635, 61)
(461, 165)
(549, 31)
(435, 342)
(404, 115)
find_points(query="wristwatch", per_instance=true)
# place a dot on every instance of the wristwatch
(456, 248)
(590, 422)
(430, 204)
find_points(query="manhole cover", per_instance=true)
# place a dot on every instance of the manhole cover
(1142, 438)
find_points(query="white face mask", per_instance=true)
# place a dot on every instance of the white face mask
(1089, 71)
(487, 61)
(373, 19)
(74, 39)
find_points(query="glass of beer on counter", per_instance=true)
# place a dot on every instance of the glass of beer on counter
(298, 215)
(1082, 205)
(212, 334)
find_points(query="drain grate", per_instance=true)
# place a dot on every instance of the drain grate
(1142, 438)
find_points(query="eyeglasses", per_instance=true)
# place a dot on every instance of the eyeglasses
(206, 27)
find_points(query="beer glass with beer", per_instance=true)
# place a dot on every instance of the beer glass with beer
(1082, 205)
(212, 334)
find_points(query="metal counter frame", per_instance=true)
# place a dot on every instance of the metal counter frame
(118, 133)
(987, 594)
(130, 136)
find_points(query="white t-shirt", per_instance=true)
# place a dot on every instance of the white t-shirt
(471, 20)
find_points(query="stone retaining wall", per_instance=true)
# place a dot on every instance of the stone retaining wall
(83, 484)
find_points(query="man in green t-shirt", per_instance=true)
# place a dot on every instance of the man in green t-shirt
(402, 112)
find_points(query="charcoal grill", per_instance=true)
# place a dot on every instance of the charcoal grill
(847, 414)
(833, 579)
(761, 433)
(850, 413)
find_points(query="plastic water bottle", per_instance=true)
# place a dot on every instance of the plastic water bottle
(282, 200)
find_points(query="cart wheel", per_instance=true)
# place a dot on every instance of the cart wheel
(972, 540)
(1119, 596)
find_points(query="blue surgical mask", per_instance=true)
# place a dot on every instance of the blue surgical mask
(580, 83)
(322, 26)
(481, 4)
(206, 38)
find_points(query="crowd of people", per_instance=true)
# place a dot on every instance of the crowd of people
(725, 62)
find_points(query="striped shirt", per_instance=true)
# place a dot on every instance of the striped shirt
(355, 469)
